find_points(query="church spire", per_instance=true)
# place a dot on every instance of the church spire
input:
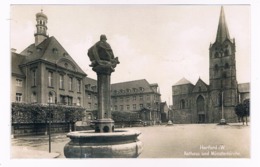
(222, 33)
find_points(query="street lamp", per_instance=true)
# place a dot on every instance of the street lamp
(49, 129)
(222, 121)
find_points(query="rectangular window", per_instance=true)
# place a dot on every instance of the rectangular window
(89, 105)
(96, 106)
(141, 106)
(148, 97)
(61, 81)
(19, 82)
(127, 107)
(134, 106)
(33, 77)
(70, 100)
(79, 86)
(62, 100)
(18, 97)
(50, 79)
(34, 97)
(78, 101)
(89, 96)
(134, 98)
(115, 107)
(141, 97)
(70, 83)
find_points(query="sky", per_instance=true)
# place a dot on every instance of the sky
(159, 43)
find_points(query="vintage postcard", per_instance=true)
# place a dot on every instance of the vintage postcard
(145, 81)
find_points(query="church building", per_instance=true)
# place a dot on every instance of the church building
(202, 103)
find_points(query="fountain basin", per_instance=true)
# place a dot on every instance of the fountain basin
(117, 144)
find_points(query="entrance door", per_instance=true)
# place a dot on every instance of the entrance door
(201, 118)
(201, 109)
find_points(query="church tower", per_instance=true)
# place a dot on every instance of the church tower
(41, 28)
(222, 73)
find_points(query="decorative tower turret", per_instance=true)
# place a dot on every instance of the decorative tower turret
(41, 28)
(222, 72)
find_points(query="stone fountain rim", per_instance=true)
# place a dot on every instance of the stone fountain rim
(92, 133)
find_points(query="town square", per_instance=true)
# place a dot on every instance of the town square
(136, 82)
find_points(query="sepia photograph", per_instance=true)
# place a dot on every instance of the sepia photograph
(130, 81)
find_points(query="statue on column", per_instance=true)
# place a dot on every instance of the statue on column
(101, 54)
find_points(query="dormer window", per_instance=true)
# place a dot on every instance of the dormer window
(39, 49)
(29, 52)
(66, 65)
(55, 50)
(141, 89)
(87, 86)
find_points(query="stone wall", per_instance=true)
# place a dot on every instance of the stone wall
(182, 117)
(27, 129)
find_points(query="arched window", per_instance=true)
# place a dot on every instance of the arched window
(216, 55)
(50, 100)
(226, 66)
(200, 103)
(226, 53)
(182, 104)
(216, 67)
(224, 75)
(34, 97)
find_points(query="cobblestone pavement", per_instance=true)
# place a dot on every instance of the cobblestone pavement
(177, 141)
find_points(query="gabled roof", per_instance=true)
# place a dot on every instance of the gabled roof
(222, 33)
(49, 50)
(132, 84)
(244, 87)
(183, 81)
(16, 60)
(200, 83)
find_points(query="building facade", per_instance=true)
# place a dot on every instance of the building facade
(137, 96)
(44, 72)
(202, 103)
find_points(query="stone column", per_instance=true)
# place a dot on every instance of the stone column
(104, 123)
(103, 63)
